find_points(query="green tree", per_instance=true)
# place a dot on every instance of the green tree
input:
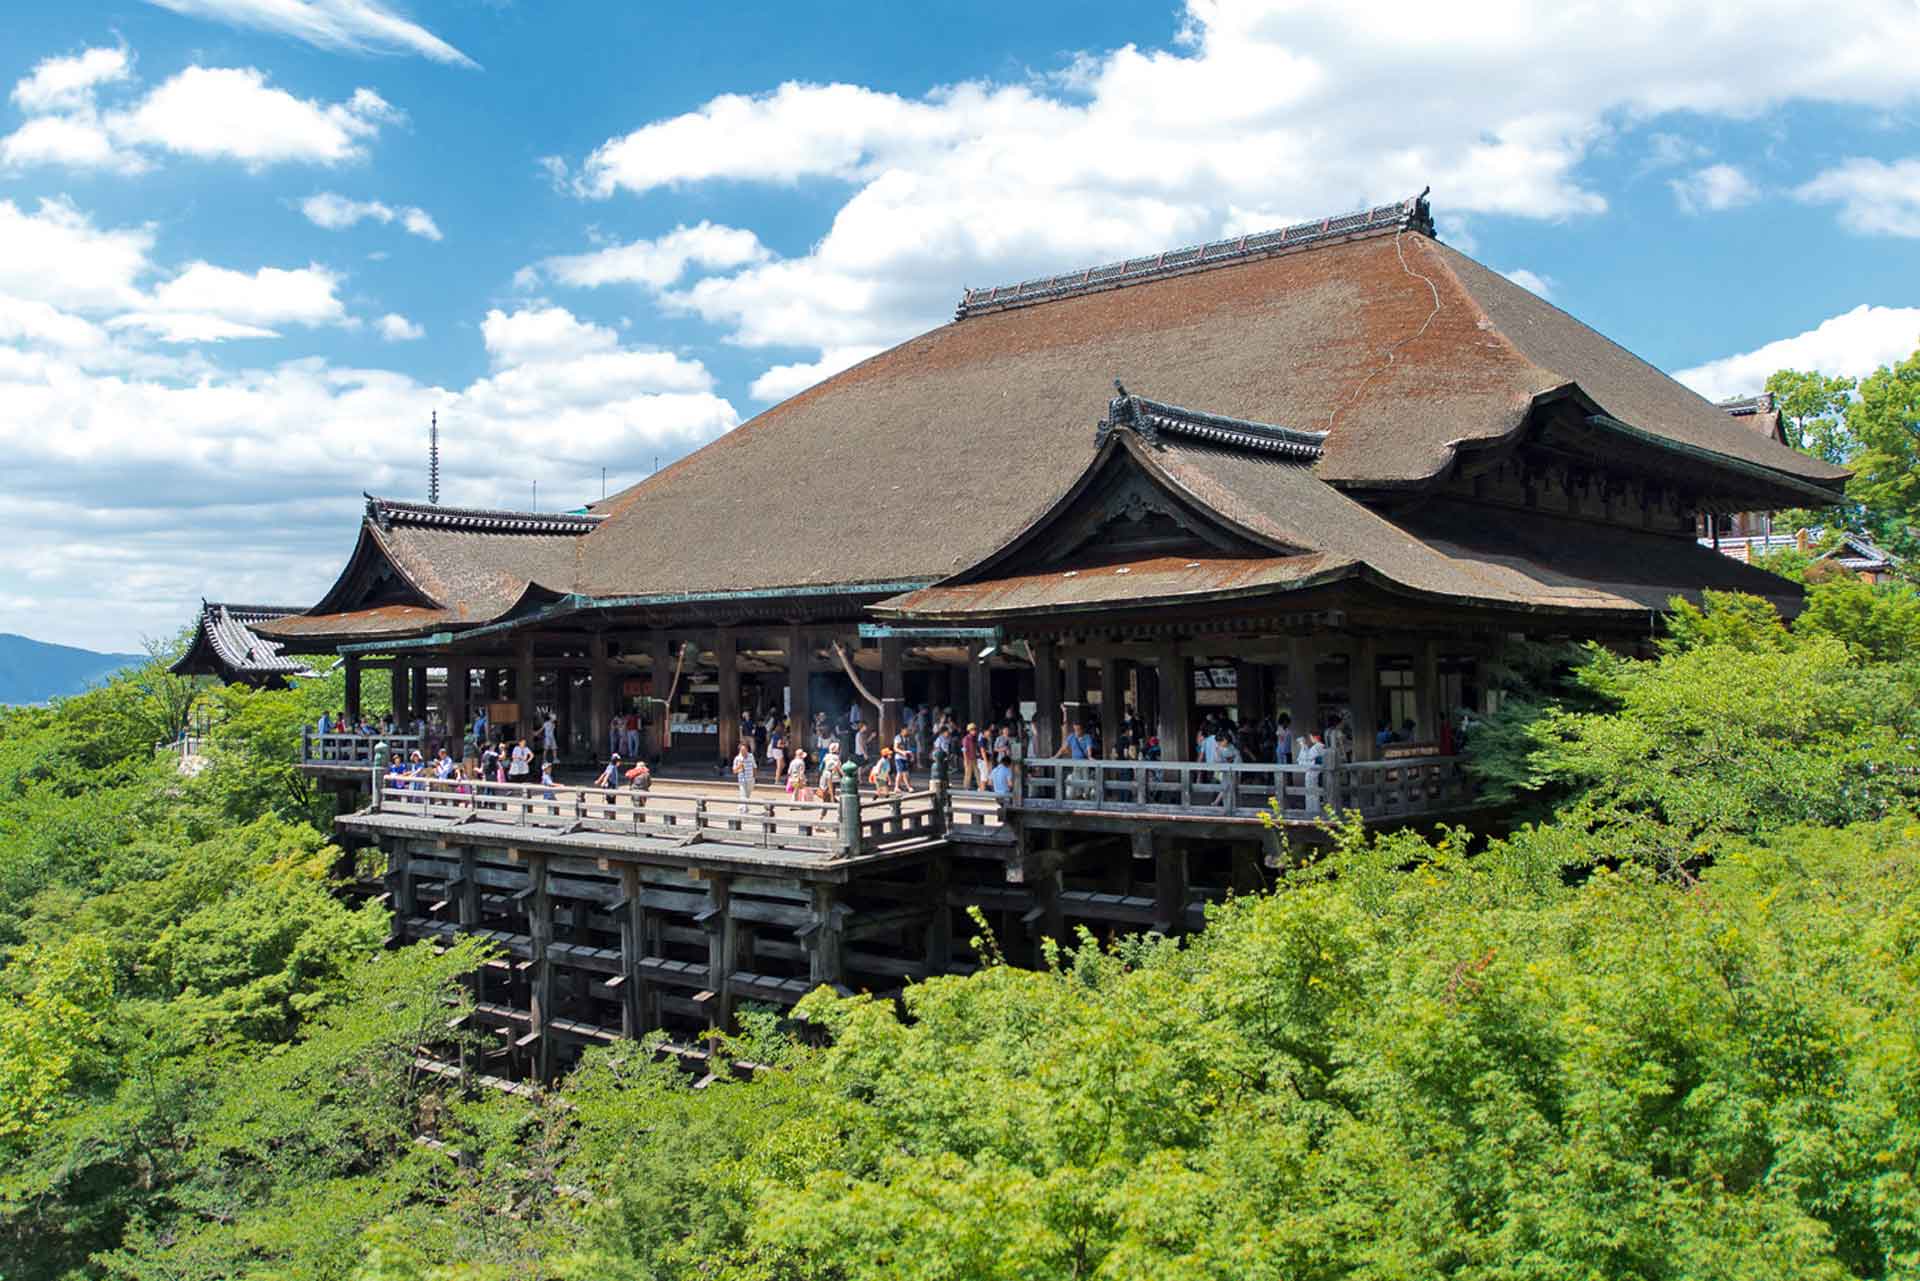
(1813, 412)
(1884, 418)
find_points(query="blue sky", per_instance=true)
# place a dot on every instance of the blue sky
(246, 246)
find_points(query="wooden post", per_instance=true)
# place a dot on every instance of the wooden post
(599, 696)
(1176, 701)
(417, 698)
(630, 952)
(940, 924)
(1075, 685)
(937, 782)
(523, 687)
(1169, 887)
(1249, 694)
(724, 660)
(1303, 691)
(1046, 696)
(893, 688)
(352, 708)
(492, 682)
(1112, 697)
(399, 890)
(825, 956)
(799, 677)
(979, 694)
(722, 946)
(458, 675)
(1427, 689)
(397, 694)
(540, 977)
(1363, 693)
(848, 843)
(662, 681)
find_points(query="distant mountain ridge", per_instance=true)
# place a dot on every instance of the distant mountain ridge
(34, 671)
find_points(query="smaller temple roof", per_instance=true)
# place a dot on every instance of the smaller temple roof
(1257, 522)
(225, 645)
(419, 568)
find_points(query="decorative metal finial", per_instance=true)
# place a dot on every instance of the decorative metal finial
(433, 459)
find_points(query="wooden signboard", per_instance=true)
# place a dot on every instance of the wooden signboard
(503, 713)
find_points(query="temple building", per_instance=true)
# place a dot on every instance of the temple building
(225, 646)
(1326, 471)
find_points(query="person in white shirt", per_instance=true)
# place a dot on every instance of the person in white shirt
(548, 741)
(519, 762)
(743, 771)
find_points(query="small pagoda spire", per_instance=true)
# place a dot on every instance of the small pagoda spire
(433, 459)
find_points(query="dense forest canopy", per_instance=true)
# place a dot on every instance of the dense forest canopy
(1663, 1027)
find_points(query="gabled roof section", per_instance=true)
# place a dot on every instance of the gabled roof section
(418, 568)
(225, 645)
(1287, 530)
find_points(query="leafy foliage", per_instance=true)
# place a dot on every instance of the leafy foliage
(1663, 1030)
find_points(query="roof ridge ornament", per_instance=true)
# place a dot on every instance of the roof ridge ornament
(1153, 421)
(1412, 214)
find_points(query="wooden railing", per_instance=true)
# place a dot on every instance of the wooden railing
(352, 749)
(1377, 789)
(811, 826)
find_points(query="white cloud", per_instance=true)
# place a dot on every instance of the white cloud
(66, 84)
(269, 296)
(395, 327)
(210, 113)
(1713, 189)
(1875, 198)
(658, 263)
(1530, 280)
(782, 381)
(1855, 342)
(1264, 112)
(180, 478)
(58, 256)
(335, 213)
(359, 26)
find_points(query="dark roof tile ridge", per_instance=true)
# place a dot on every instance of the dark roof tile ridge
(1153, 419)
(386, 512)
(1411, 214)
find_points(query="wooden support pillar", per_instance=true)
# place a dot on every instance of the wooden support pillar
(1427, 689)
(353, 688)
(493, 684)
(1169, 886)
(662, 654)
(458, 676)
(1249, 692)
(1046, 696)
(979, 694)
(1075, 680)
(940, 924)
(467, 906)
(1303, 689)
(523, 687)
(893, 688)
(1112, 697)
(397, 694)
(599, 695)
(540, 975)
(399, 880)
(1363, 694)
(940, 688)
(723, 944)
(417, 698)
(632, 949)
(800, 696)
(824, 936)
(724, 660)
(1176, 705)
